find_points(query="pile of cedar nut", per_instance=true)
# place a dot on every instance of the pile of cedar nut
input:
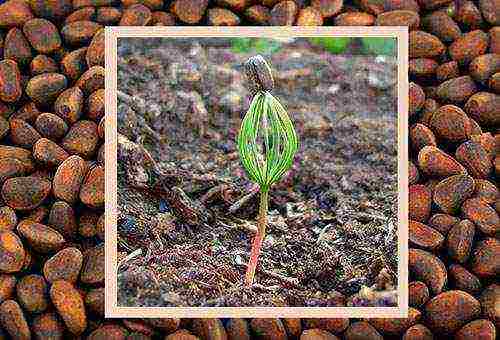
(52, 178)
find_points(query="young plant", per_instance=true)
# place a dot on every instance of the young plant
(267, 143)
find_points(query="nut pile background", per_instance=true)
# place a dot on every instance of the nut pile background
(51, 171)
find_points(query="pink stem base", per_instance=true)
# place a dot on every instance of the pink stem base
(258, 239)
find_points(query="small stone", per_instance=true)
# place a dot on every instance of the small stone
(20, 154)
(87, 224)
(489, 299)
(110, 16)
(483, 107)
(416, 97)
(95, 105)
(477, 329)
(51, 9)
(10, 167)
(23, 134)
(435, 162)
(442, 25)
(354, 19)
(333, 325)
(421, 136)
(447, 71)
(483, 216)
(486, 191)
(418, 332)
(27, 112)
(209, 328)
(8, 219)
(82, 14)
(258, 14)
(92, 191)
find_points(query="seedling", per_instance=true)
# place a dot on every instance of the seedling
(267, 143)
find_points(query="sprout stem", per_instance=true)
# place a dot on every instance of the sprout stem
(259, 237)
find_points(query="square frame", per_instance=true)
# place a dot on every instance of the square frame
(112, 310)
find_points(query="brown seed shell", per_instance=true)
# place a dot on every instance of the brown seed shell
(460, 240)
(42, 35)
(485, 258)
(69, 305)
(449, 311)
(427, 268)
(68, 178)
(12, 252)
(64, 265)
(25, 193)
(462, 279)
(10, 81)
(40, 237)
(12, 319)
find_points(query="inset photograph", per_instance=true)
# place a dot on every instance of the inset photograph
(256, 168)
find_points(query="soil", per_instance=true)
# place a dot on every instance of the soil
(190, 212)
